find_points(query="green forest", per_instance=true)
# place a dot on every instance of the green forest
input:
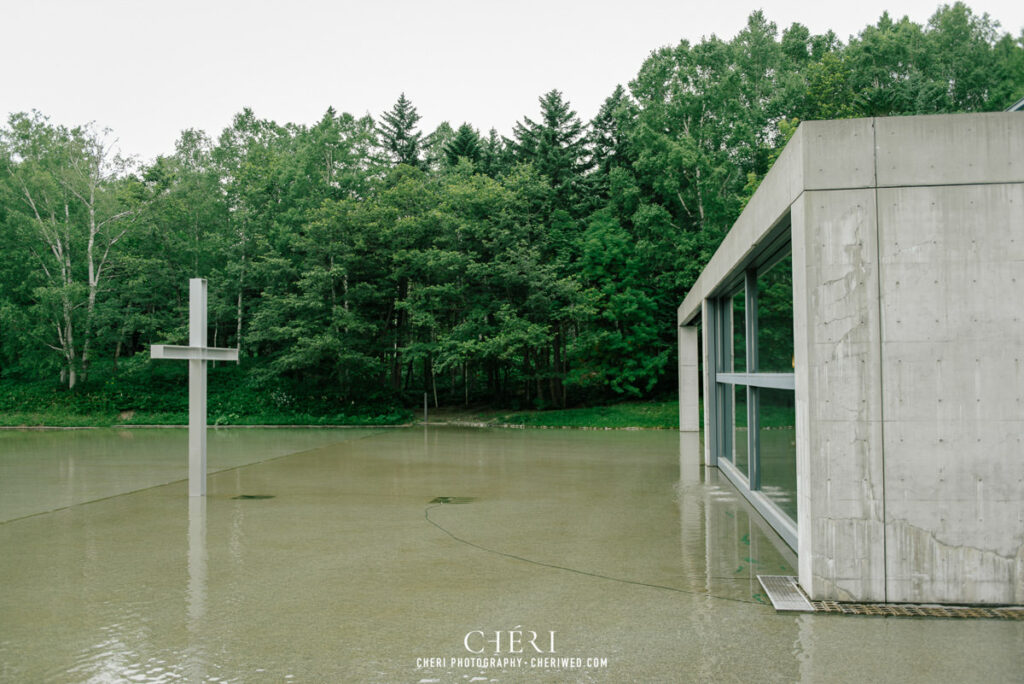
(360, 262)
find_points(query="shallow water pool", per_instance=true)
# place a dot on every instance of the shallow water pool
(420, 555)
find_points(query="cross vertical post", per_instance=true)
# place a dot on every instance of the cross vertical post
(197, 354)
(197, 389)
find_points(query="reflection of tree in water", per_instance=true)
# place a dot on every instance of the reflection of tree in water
(739, 331)
(775, 318)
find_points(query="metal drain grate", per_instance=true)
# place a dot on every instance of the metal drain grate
(912, 610)
(784, 593)
(452, 500)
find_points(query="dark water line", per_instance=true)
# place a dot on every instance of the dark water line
(426, 516)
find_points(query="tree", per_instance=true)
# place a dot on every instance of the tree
(608, 138)
(496, 155)
(398, 135)
(620, 348)
(357, 260)
(688, 100)
(434, 146)
(829, 93)
(69, 188)
(465, 145)
(961, 57)
(555, 145)
(609, 142)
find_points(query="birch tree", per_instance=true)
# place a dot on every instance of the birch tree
(63, 182)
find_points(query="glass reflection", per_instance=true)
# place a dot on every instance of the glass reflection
(777, 433)
(775, 318)
(739, 332)
(739, 433)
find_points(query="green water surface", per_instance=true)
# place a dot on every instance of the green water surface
(378, 555)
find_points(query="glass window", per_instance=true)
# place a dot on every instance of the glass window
(739, 332)
(754, 419)
(777, 447)
(739, 435)
(775, 318)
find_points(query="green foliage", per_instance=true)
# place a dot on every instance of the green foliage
(465, 145)
(358, 265)
(155, 393)
(398, 134)
(663, 415)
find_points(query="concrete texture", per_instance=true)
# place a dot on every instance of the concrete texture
(689, 376)
(949, 150)
(951, 259)
(842, 549)
(908, 249)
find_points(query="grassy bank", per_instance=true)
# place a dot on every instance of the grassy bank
(635, 415)
(159, 396)
(63, 409)
(61, 418)
(652, 414)
(661, 414)
(154, 394)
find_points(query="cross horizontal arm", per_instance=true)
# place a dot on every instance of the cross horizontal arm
(173, 351)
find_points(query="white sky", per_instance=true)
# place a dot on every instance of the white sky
(148, 69)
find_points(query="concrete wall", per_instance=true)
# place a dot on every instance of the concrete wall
(908, 257)
(839, 449)
(689, 376)
(952, 275)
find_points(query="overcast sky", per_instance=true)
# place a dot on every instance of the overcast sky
(150, 69)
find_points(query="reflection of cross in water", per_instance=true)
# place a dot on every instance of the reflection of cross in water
(194, 653)
(197, 354)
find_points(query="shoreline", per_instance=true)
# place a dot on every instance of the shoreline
(429, 423)
(646, 415)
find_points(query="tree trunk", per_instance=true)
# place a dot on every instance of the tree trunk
(565, 367)
(429, 381)
(238, 309)
(526, 374)
(93, 281)
(552, 371)
(401, 317)
(557, 385)
(409, 375)
(538, 375)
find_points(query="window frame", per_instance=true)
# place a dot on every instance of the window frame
(724, 382)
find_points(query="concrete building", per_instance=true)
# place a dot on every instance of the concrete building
(880, 430)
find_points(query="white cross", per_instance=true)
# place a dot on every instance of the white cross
(197, 354)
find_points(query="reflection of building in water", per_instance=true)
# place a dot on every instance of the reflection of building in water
(738, 545)
(859, 340)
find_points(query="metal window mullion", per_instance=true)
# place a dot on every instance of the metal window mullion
(725, 400)
(786, 381)
(753, 394)
(718, 413)
(750, 286)
(714, 416)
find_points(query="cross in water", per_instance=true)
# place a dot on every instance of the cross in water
(197, 354)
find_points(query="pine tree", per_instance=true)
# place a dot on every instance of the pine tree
(608, 139)
(398, 133)
(434, 146)
(496, 155)
(556, 146)
(465, 144)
